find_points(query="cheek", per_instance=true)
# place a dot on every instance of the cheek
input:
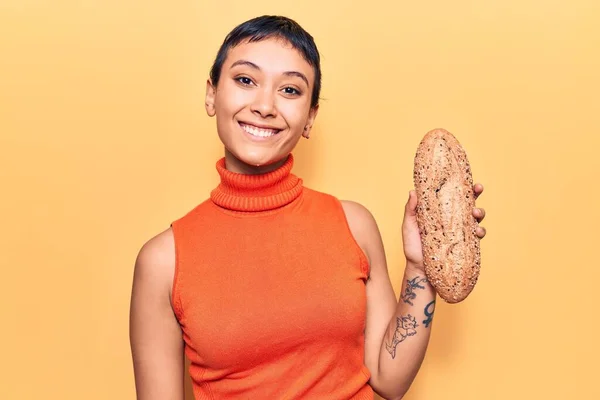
(294, 113)
(230, 100)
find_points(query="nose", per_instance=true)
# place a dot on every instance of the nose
(264, 103)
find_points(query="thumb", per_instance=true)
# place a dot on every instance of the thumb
(411, 204)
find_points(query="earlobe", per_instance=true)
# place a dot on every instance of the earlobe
(209, 102)
(311, 119)
(306, 132)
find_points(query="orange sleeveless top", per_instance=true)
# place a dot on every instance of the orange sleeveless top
(269, 289)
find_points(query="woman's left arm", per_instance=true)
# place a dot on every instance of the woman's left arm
(397, 331)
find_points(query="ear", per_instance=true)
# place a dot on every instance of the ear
(312, 114)
(211, 92)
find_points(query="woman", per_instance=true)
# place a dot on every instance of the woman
(274, 290)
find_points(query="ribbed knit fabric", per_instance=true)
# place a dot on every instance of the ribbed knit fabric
(269, 289)
(256, 192)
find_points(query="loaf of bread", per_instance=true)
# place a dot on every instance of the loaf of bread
(445, 202)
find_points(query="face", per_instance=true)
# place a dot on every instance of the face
(262, 104)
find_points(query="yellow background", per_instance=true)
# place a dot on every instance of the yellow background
(104, 141)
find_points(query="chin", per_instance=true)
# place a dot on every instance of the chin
(261, 160)
(258, 157)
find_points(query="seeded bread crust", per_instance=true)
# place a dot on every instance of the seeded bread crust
(445, 201)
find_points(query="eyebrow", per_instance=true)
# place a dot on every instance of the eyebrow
(256, 67)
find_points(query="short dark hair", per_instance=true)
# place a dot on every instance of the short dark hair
(268, 26)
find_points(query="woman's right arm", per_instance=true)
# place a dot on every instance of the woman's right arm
(154, 332)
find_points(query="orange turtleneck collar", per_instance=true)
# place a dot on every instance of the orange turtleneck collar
(251, 193)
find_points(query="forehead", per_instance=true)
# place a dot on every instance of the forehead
(272, 56)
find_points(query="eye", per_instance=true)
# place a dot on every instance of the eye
(292, 91)
(244, 80)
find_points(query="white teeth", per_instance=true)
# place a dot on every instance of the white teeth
(254, 131)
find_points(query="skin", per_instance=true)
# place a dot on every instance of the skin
(269, 84)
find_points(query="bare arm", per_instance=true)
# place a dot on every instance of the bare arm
(397, 332)
(155, 334)
(407, 335)
(393, 354)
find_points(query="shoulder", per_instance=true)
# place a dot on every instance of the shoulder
(198, 211)
(361, 221)
(356, 212)
(363, 227)
(159, 249)
(155, 262)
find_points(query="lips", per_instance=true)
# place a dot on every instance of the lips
(259, 131)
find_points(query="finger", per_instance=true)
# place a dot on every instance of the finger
(477, 190)
(411, 204)
(480, 232)
(479, 214)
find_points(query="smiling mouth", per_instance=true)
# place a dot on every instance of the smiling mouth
(258, 131)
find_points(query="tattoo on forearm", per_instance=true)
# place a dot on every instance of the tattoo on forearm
(405, 327)
(409, 291)
(429, 310)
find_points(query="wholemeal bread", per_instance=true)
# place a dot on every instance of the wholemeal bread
(445, 202)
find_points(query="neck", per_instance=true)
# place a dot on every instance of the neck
(256, 192)
(234, 164)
